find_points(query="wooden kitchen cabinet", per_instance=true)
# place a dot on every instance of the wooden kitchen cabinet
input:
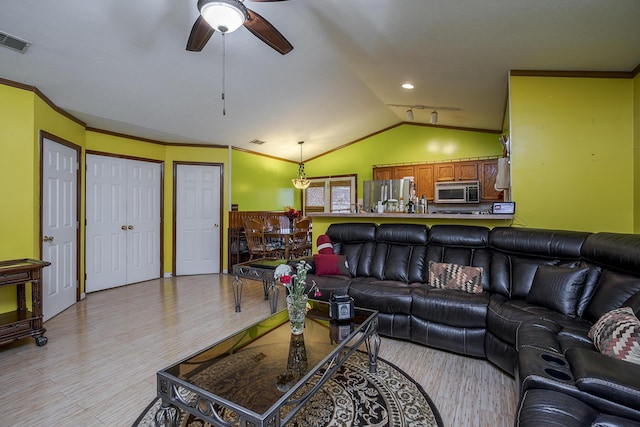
(427, 174)
(456, 171)
(384, 173)
(488, 173)
(466, 171)
(400, 172)
(445, 172)
(424, 181)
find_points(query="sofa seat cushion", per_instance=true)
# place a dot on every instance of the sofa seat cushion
(450, 307)
(329, 285)
(505, 316)
(553, 336)
(383, 295)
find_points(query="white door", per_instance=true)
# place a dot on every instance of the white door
(106, 214)
(143, 221)
(59, 227)
(198, 195)
(123, 221)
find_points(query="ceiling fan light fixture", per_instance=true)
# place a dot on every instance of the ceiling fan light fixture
(225, 16)
(434, 118)
(301, 182)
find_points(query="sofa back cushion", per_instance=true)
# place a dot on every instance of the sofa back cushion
(461, 245)
(399, 253)
(558, 288)
(357, 241)
(517, 253)
(618, 255)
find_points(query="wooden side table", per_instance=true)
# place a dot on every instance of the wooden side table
(22, 323)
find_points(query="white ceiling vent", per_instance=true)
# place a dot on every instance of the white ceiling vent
(256, 141)
(13, 42)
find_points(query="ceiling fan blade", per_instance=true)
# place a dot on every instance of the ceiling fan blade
(262, 29)
(200, 35)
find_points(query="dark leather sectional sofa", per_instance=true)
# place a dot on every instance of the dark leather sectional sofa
(562, 378)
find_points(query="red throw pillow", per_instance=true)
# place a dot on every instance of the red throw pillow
(324, 244)
(330, 264)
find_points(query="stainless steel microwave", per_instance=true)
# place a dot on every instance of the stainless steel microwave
(457, 192)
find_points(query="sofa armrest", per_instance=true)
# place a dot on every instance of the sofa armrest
(606, 377)
(540, 334)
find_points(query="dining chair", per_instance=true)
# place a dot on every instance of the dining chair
(258, 244)
(303, 225)
(298, 244)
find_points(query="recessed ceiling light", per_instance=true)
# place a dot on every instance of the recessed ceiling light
(407, 85)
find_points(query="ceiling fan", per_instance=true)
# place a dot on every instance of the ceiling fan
(227, 16)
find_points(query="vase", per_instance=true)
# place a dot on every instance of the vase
(297, 308)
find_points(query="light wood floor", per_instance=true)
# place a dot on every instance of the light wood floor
(99, 366)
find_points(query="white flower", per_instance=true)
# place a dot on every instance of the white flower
(282, 270)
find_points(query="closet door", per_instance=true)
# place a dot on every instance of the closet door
(143, 221)
(123, 225)
(106, 214)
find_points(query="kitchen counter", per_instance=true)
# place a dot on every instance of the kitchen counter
(322, 221)
(407, 216)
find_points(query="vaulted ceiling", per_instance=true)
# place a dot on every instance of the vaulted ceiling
(121, 65)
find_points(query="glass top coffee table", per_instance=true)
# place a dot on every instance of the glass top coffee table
(263, 375)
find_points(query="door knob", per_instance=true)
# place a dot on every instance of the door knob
(130, 227)
(48, 239)
(124, 227)
(216, 225)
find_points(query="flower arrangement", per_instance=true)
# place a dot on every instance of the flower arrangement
(291, 213)
(296, 282)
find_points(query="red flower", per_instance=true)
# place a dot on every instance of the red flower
(291, 213)
(285, 279)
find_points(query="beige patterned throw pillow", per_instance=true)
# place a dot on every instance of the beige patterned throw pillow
(617, 334)
(453, 276)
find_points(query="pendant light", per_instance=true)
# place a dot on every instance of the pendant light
(301, 182)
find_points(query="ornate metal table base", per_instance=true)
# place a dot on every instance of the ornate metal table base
(253, 270)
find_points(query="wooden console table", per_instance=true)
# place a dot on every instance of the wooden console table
(22, 322)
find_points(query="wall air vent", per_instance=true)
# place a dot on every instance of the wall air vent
(14, 43)
(256, 141)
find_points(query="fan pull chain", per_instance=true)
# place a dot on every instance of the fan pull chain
(224, 102)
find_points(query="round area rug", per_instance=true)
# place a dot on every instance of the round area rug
(351, 397)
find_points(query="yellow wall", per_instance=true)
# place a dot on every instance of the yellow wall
(23, 115)
(406, 143)
(17, 173)
(572, 153)
(262, 183)
(17, 176)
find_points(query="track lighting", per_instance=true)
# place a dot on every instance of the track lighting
(433, 118)
(410, 115)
